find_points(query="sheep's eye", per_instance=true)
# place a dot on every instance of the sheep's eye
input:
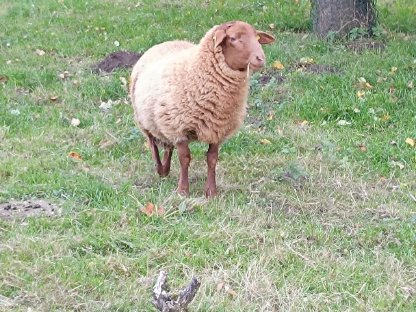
(233, 39)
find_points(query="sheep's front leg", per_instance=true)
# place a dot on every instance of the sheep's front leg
(184, 159)
(212, 157)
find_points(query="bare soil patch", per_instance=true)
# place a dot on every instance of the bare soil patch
(115, 60)
(269, 74)
(316, 68)
(27, 208)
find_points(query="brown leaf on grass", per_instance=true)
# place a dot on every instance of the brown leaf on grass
(410, 84)
(363, 84)
(150, 209)
(75, 155)
(53, 98)
(360, 94)
(411, 142)
(265, 142)
(278, 65)
(385, 117)
(362, 148)
(3, 79)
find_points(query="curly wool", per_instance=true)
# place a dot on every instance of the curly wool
(184, 92)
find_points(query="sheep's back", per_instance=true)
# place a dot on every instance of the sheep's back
(156, 53)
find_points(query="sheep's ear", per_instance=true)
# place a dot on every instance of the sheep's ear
(264, 38)
(219, 37)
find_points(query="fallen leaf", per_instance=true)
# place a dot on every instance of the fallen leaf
(343, 122)
(410, 141)
(75, 155)
(357, 110)
(105, 106)
(3, 79)
(363, 84)
(303, 123)
(386, 117)
(393, 70)
(8, 62)
(64, 75)
(360, 94)
(229, 290)
(40, 52)
(393, 143)
(271, 26)
(381, 79)
(265, 141)
(75, 122)
(53, 98)
(148, 210)
(362, 147)
(278, 65)
(397, 164)
(220, 286)
(410, 84)
(117, 43)
(270, 116)
(306, 61)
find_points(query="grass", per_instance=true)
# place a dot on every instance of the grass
(322, 218)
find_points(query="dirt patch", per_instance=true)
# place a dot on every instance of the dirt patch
(115, 60)
(27, 208)
(359, 46)
(270, 74)
(316, 68)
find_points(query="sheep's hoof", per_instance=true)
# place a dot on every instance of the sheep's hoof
(210, 192)
(162, 171)
(183, 192)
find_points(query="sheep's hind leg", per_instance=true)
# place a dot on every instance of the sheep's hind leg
(155, 154)
(212, 157)
(184, 159)
(167, 156)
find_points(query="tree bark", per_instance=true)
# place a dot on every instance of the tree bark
(341, 16)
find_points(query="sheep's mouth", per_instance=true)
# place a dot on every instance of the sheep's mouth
(255, 67)
(250, 66)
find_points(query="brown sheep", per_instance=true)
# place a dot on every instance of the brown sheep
(182, 92)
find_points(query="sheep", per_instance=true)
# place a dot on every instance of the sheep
(183, 92)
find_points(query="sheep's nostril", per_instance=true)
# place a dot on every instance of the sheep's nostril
(259, 58)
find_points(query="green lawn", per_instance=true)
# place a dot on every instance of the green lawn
(317, 204)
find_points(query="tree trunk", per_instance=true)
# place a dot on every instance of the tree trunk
(341, 16)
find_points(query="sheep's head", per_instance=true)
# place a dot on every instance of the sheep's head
(241, 45)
